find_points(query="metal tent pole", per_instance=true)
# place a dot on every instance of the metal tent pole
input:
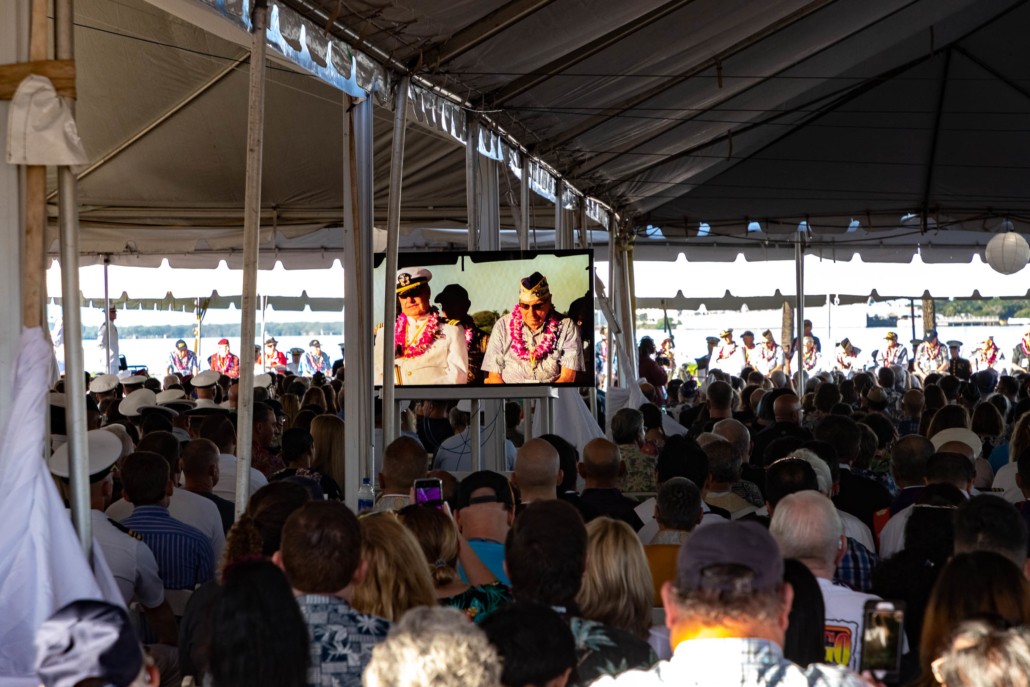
(107, 313)
(261, 339)
(251, 245)
(357, 272)
(75, 383)
(472, 203)
(393, 229)
(799, 266)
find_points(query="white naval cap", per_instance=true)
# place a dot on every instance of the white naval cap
(104, 450)
(205, 379)
(169, 395)
(103, 383)
(131, 404)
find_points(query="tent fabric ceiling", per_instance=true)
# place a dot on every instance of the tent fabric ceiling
(677, 113)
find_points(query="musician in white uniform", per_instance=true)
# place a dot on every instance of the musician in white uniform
(428, 349)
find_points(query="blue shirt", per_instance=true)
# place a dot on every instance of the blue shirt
(341, 640)
(184, 555)
(492, 555)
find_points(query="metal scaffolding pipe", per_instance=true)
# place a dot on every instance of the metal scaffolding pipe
(75, 383)
(799, 267)
(393, 229)
(251, 246)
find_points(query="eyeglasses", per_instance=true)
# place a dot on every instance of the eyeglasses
(536, 307)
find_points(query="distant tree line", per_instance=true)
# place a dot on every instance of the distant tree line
(219, 330)
(1003, 309)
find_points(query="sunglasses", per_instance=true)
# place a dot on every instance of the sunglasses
(536, 307)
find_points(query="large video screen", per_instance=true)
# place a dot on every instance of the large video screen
(500, 317)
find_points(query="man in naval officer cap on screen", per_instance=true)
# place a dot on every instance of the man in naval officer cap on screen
(428, 350)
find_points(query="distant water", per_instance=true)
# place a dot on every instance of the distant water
(845, 321)
(153, 353)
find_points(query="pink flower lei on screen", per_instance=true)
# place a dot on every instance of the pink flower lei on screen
(425, 340)
(518, 343)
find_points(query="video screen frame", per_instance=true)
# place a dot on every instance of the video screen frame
(481, 291)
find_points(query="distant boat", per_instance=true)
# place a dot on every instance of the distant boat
(881, 321)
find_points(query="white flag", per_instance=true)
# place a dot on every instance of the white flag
(42, 566)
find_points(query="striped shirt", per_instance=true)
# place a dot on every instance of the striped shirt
(184, 555)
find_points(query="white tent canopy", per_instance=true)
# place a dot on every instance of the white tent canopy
(883, 126)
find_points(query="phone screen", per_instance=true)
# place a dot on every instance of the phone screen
(882, 635)
(429, 492)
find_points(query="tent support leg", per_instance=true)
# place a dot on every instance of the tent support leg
(799, 320)
(393, 229)
(357, 272)
(75, 383)
(251, 246)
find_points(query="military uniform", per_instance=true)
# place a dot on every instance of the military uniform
(444, 362)
(131, 561)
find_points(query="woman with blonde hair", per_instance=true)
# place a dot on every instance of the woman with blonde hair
(442, 546)
(396, 579)
(291, 406)
(328, 433)
(313, 398)
(620, 595)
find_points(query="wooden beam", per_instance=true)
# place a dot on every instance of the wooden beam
(33, 245)
(60, 72)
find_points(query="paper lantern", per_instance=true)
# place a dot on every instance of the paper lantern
(1008, 253)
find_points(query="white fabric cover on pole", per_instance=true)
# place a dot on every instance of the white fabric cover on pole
(41, 129)
(572, 419)
(42, 566)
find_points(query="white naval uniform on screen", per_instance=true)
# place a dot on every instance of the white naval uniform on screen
(446, 361)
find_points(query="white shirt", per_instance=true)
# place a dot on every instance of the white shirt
(892, 536)
(131, 562)
(187, 507)
(857, 530)
(107, 329)
(226, 487)
(1005, 480)
(844, 621)
(455, 453)
(446, 361)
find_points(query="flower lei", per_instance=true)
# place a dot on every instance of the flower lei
(518, 343)
(810, 359)
(468, 336)
(725, 353)
(400, 336)
(989, 356)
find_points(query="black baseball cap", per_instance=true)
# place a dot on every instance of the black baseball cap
(745, 544)
(501, 491)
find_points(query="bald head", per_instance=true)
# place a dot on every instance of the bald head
(737, 434)
(404, 461)
(787, 408)
(601, 463)
(537, 467)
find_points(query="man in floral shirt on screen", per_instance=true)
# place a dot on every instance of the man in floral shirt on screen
(534, 343)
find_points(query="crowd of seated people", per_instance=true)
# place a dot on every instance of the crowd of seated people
(731, 534)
